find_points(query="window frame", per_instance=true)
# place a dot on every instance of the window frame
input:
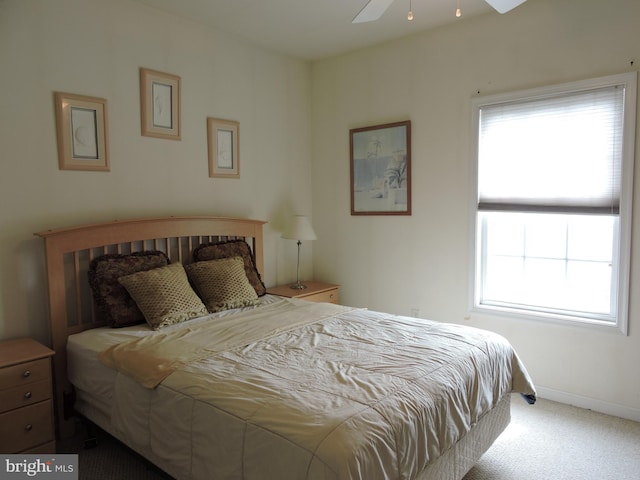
(623, 251)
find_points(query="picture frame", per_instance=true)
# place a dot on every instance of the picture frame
(380, 158)
(160, 104)
(82, 132)
(223, 138)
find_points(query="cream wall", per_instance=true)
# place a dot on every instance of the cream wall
(95, 47)
(423, 261)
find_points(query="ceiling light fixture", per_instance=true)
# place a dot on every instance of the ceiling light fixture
(374, 9)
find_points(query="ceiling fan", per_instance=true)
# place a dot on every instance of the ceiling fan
(374, 9)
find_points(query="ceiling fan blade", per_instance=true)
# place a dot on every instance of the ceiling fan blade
(503, 6)
(372, 11)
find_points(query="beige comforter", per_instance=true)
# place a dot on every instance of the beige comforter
(298, 390)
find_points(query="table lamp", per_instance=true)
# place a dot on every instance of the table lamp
(299, 228)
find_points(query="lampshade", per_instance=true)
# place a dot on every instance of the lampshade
(299, 228)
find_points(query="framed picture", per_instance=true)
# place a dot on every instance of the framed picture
(160, 104)
(81, 125)
(224, 154)
(381, 169)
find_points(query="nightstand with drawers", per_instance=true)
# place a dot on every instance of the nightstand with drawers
(26, 400)
(315, 292)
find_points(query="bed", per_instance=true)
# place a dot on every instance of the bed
(259, 386)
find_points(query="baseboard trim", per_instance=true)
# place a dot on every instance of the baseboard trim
(588, 403)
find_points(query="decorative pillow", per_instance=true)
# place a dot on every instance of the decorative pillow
(222, 284)
(164, 295)
(112, 300)
(232, 248)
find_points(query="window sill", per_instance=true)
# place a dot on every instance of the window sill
(542, 317)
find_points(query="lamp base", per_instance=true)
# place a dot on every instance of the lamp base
(297, 286)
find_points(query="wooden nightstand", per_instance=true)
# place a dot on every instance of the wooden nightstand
(26, 405)
(315, 292)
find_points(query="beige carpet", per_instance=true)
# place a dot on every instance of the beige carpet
(553, 441)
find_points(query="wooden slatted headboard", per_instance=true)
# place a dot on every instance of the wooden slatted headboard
(70, 250)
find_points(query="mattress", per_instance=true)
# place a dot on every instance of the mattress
(338, 393)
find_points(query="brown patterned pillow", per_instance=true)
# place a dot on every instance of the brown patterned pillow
(164, 295)
(113, 302)
(222, 284)
(232, 248)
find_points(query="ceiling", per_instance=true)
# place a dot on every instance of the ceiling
(315, 29)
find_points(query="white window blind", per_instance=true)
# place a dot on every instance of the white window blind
(559, 153)
(553, 179)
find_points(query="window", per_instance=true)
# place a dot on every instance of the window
(552, 207)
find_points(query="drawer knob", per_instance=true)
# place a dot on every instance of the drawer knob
(26, 373)
(28, 427)
(27, 395)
